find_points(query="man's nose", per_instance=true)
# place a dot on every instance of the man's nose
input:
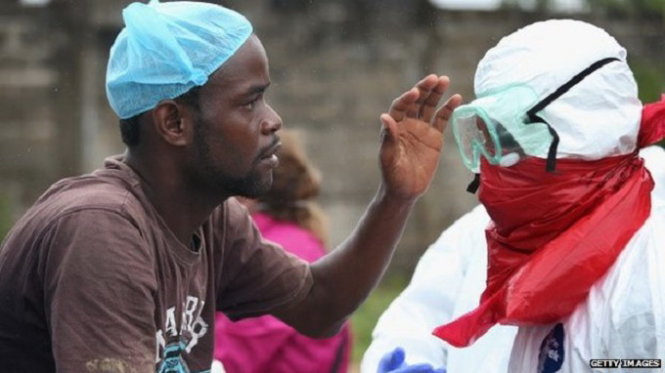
(272, 122)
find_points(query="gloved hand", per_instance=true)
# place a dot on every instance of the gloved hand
(393, 362)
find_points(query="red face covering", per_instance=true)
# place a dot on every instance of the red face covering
(552, 236)
(652, 128)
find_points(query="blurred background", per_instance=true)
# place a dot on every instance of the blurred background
(335, 65)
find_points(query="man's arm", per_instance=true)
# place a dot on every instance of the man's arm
(410, 148)
(433, 295)
(98, 294)
(447, 283)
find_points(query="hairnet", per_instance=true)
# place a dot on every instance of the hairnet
(165, 49)
(598, 117)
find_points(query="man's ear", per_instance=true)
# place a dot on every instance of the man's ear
(173, 122)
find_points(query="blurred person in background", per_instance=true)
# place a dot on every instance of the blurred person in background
(123, 269)
(288, 215)
(562, 262)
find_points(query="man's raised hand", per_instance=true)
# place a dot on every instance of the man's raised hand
(412, 136)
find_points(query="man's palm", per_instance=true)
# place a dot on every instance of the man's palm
(413, 137)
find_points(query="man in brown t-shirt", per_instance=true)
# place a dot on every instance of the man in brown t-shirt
(122, 270)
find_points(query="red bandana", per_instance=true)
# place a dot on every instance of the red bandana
(652, 128)
(553, 235)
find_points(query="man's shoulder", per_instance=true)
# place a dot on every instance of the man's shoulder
(232, 213)
(93, 194)
(82, 206)
(89, 192)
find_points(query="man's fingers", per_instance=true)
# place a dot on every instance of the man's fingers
(425, 87)
(421, 100)
(402, 104)
(389, 126)
(445, 112)
(432, 100)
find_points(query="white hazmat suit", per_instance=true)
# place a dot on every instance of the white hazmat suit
(623, 316)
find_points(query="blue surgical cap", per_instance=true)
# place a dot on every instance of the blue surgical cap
(168, 48)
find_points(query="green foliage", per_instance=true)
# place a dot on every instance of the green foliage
(5, 215)
(650, 80)
(640, 7)
(365, 318)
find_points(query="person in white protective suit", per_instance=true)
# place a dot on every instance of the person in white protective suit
(562, 263)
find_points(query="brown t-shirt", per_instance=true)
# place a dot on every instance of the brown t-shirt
(92, 280)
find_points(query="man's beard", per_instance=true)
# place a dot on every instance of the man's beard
(251, 185)
(248, 186)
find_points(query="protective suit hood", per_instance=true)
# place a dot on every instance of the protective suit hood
(598, 117)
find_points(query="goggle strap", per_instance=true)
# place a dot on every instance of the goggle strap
(474, 184)
(533, 118)
(551, 155)
(566, 87)
(550, 166)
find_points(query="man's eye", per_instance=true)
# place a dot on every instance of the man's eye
(251, 104)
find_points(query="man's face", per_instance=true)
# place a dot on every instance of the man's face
(235, 137)
(506, 140)
(488, 143)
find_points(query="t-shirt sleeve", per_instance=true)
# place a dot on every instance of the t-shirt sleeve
(99, 288)
(256, 275)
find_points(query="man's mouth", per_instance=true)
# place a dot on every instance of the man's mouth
(270, 156)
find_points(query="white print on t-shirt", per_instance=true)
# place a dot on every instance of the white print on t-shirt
(192, 327)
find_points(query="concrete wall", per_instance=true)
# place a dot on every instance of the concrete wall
(27, 87)
(335, 66)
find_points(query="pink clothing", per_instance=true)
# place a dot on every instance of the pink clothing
(265, 344)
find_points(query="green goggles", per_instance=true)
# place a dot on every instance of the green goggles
(496, 126)
(503, 125)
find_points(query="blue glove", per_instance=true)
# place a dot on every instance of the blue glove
(393, 362)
